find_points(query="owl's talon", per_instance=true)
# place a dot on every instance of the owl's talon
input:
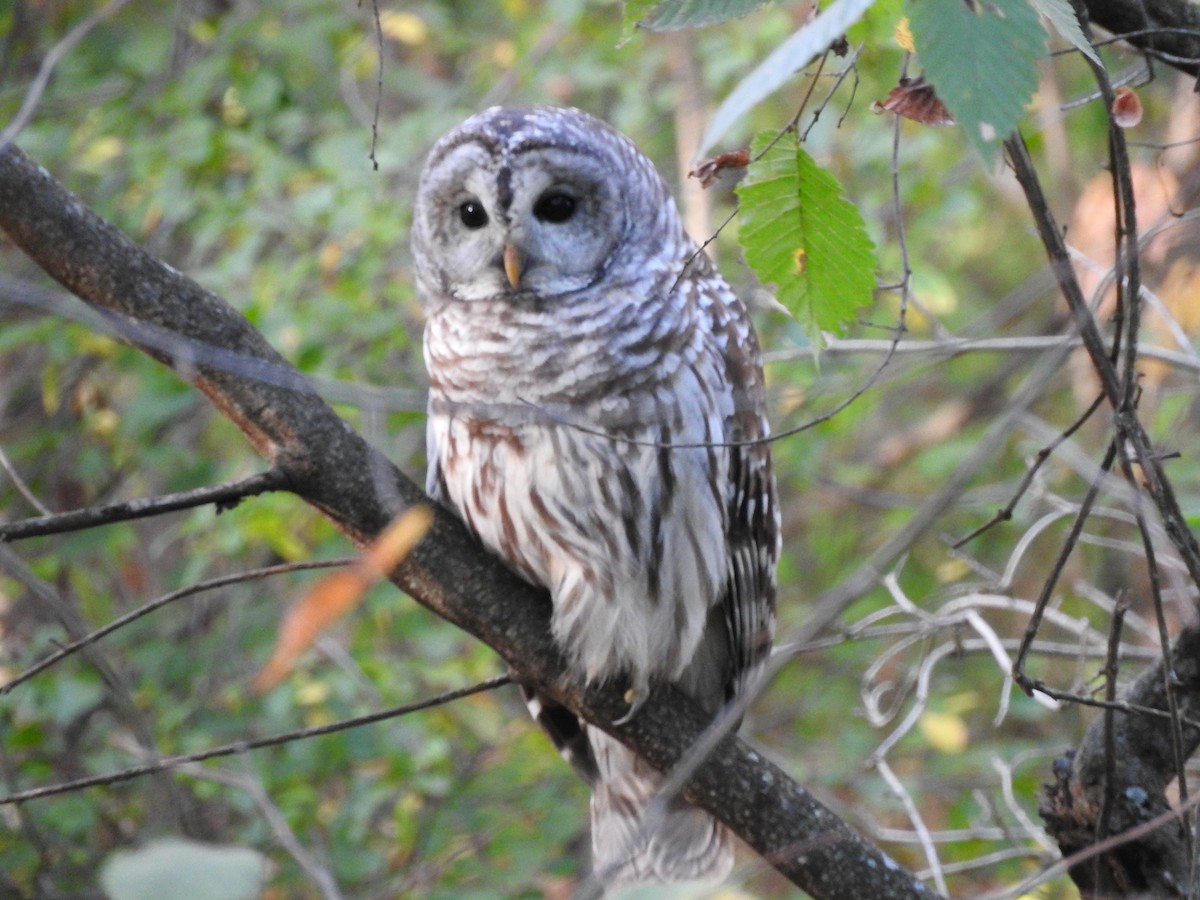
(636, 696)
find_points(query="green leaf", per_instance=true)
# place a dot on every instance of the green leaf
(810, 41)
(981, 57)
(1061, 15)
(801, 235)
(668, 15)
(184, 870)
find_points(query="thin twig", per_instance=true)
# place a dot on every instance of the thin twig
(1112, 667)
(225, 496)
(1006, 513)
(19, 483)
(1027, 684)
(918, 823)
(252, 785)
(378, 84)
(1129, 428)
(145, 609)
(33, 96)
(949, 348)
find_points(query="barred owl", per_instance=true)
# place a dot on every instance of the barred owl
(595, 416)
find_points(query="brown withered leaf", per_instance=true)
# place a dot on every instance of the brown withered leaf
(708, 170)
(336, 594)
(915, 99)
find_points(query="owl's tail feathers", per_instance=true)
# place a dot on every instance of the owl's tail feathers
(635, 842)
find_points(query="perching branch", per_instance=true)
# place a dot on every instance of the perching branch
(330, 466)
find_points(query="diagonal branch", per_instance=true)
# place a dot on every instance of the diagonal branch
(331, 467)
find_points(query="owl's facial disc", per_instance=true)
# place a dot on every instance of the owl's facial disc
(523, 222)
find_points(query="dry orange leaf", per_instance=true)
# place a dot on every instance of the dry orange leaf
(708, 171)
(338, 593)
(914, 98)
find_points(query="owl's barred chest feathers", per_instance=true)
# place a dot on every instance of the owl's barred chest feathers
(575, 348)
(583, 456)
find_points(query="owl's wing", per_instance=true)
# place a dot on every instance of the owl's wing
(752, 535)
(749, 597)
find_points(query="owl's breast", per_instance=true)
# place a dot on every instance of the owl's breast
(627, 533)
(576, 349)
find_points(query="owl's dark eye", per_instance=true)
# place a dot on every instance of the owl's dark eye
(554, 207)
(473, 214)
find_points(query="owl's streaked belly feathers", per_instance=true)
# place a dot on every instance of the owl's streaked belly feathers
(626, 532)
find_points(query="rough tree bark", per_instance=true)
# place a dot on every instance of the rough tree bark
(1125, 763)
(327, 464)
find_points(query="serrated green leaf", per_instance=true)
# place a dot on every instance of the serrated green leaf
(801, 235)
(808, 42)
(668, 15)
(1060, 14)
(981, 57)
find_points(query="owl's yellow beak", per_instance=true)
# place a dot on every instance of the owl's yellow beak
(514, 263)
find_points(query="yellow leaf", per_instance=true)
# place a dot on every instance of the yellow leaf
(504, 53)
(945, 732)
(99, 153)
(328, 258)
(904, 35)
(313, 693)
(404, 27)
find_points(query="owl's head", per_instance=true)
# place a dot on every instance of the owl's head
(535, 202)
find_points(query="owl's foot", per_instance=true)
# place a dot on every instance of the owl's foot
(635, 697)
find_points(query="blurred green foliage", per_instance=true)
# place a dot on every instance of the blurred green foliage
(235, 141)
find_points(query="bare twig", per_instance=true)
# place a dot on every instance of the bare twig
(145, 609)
(33, 96)
(1027, 684)
(1006, 512)
(918, 823)
(20, 485)
(225, 496)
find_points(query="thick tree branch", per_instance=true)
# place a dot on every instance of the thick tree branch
(330, 466)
